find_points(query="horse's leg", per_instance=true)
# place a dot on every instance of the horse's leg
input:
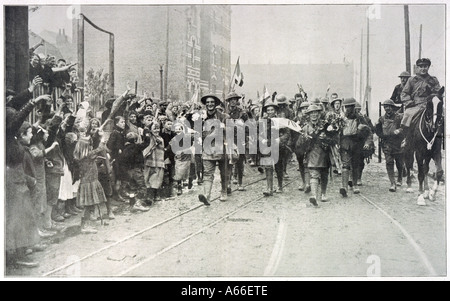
(420, 177)
(426, 168)
(408, 158)
(420, 171)
(437, 158)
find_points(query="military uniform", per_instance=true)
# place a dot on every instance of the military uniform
(353, 137)
(415, 93)
(214, 155)
(236, 114)
(391, 144)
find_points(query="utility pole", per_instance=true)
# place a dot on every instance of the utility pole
(360, 69)
(167, 54)
(420, 42)
(161, 79)
(367, 71)
(407, 39)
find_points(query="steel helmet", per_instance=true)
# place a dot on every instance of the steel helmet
(281, 99)
(349, 102)
(336, 99)
(232, 95)
(405, 74)
(324, 100)
(304, 104)
(313, 108)
(271, 103)
(389, 102)
(358, 105)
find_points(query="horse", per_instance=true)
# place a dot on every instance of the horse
(425, 140)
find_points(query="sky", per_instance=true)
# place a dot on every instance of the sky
(318, 33)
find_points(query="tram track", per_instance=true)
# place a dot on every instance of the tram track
(166, 221)
(198, 224)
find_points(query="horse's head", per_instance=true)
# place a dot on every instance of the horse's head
(435, 109)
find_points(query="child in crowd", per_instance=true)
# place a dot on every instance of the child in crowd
(90, 192)
(154, 161)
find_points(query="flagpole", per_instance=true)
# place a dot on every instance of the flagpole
(234, 72)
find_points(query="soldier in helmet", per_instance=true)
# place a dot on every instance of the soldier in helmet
(214, 153)
(354, 134)
(415, 93)
(269, 111)
(300, 149)
(318, 141)
(284, 111)
(368, 152)
(385, 128)
(239, 116)
(404, 76)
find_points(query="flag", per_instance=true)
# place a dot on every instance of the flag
(239, 76)
(266, 94)
(194, 98)
(286, 123)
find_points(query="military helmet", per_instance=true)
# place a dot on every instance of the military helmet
(324, 100)
(271, 104)
(304, 104)
(217, 99)
(358, 105)
(349, 102)
(389, 102)
(405, 74)
(232, 95)
(281, 99)
(313, 108)
(336, 99)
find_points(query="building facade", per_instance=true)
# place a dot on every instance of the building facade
(190, 43)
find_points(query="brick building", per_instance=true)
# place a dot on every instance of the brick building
(192, 42)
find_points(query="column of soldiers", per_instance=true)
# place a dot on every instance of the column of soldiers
(334, 136)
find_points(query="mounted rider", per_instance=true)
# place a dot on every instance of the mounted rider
(415, 93)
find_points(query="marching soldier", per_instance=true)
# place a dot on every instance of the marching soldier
(319, 142)
(284, 111)
(386, 128)
(214, 154)
(404, 76)
(354, 133)
(300, 150)
(238, 115)
(270, 111)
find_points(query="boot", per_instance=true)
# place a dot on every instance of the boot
(190, 183)
(179, 188)
(307, 181)
(55, 214)
(68, 208)
(109, 211)
(204, 197)
(345, 176)
(391, 176)
(280, 183)
(316, 193)
(73, 208)
(149, 197)
(139, 206)
(323, 190)
(269, 179)
(157, 196)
